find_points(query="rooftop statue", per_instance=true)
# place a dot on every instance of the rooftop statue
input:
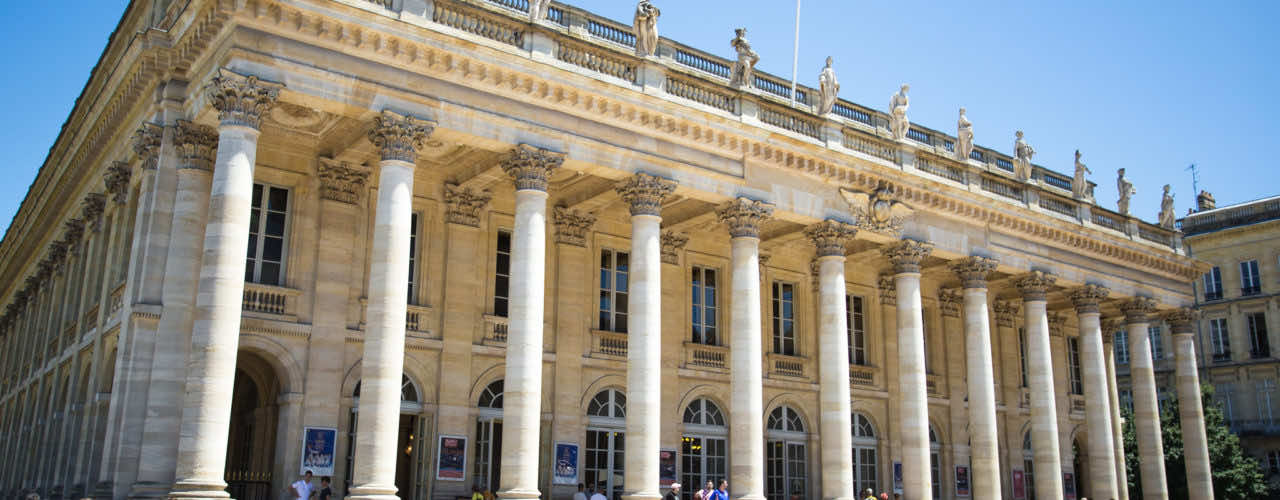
(1126, 190)
(964, 137)
(828, 88)
(1080, 185)
(741, 75)
(646, 26)
(1166, 209)
(538, 10)
(1022, 153)
(898, 122)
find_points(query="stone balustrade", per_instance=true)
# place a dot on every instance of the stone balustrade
(270, 300)
(706, 357)
(495, 330)
(862, 376)
(608, 345)
(786, 366)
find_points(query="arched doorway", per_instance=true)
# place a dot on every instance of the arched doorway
(1078, 467)
(786, 467)
(1028, 466)
(252, 433)
(935, 463)
(488, 460)
(606, 442)
(704, 448)
(411, 443)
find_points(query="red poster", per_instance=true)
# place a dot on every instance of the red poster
(1019, 486)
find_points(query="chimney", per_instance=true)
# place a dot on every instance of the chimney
(1204, 201)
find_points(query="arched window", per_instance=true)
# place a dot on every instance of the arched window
(786, 458)
(488, 456)
(491, 396)
(408, 390)
(606, 442)
(410, 404)
(935, 462)
(864, 454)
(1028, 466)
(704, 450)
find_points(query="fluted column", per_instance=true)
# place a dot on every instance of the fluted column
(1097, 396)
(530, 168)
(983, 429)
(1146, 411)
(397, 138)
(206, 414)
(829, 237)
(905, 256)
(1195, 446)
(1044, 412)
(1117, 435)
(746, 405)
(644, 194)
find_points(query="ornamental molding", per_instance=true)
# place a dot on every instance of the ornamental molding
(950, 301)
(888, 290)
(830, 237)
(146, 144)
(116, 177)
(878, 210)
(1138, 309)
(973, 271)
(743, 217)
(906, 255)
(672, 244)
(572, 226)
(1035, 285)
(399, 137)
(1182, 320)
(91, 209)
(341, 182)
(464, 205)
(644, 193)
(1087, 298)
(530, 167)
(1006, 312)
(241, 100)
(197, 145)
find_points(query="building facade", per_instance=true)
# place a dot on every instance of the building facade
(426, 245)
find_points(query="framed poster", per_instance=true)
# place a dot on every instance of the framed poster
(451, 459)
(566, 471)
(317, 450)
(962, 481)
(1068, 486)
(666, 467)
(1019, 485)
(897, 477)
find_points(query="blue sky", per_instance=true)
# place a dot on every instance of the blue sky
(1151, 87)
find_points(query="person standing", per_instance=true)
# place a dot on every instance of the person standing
(721, 492)
(599, 495)
(302, 488)
(674, 493)
(325, 492)
(706, 491)
(580, 495)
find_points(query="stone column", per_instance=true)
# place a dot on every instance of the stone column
(1195, 445)
(1097, 396)
(1044, 412)
(215, 336)
(530, 168)
(1117, 434)
(983, 430)
(196, 146)
(644, 194)
(1146, 411)
(905, 256)
(835, 428)
(397, 138)
(746, 406)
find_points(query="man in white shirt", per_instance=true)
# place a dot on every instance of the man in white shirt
(580, 495)
(599, 494)
(302, 487)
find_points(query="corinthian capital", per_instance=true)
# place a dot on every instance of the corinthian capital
(888, 290)
(672, 243)
(572, 226)
(1006, 312)
(241, 100)
(116, 178)
(1137, 309)
(72, 231)
(530, 167)
(197, 145)
(973, 271)
(91, 210)
(1182, 320)
(146, 144)
(464, 205)
(1086, 298)
(830, 237)
(644, 193)
(1035, 285)
(341, 182)
(398, 136)
(744, 216)
(906, 255)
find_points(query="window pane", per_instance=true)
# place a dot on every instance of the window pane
(275, 224)
(500, 307)
(272, 249)
(270, 273)
(257, 196)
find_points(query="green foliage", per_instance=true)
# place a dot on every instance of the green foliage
(1236, 476)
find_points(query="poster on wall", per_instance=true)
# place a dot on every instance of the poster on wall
(1068, 486)
(317, 450)
(451, 458)
(962, 481)
(897, 477)
(566, 464)
(1019, 485)
(666, 467)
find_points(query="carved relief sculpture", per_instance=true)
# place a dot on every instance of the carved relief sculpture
(964, 137)
(742, 73)
(672, 243)
(340, 182)
(1022, 153)
(1166, 209)
(898, 122)
(1126, 190)
(828, 89)
(646, 28)
(464, 205)
(879, 211)
(572, 226)
(1079, 185)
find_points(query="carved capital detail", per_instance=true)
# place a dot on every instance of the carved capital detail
(1057, 323)
(888, 290)
(341, 182)
(91, 210)
(56, 255)
(530, 167)
(1035, 285)
(906, 255)
(1006, 312)
(973, 271)
(197, 145)
(241, 100)
(1182, 320)
(73, 231)
(116, 178)
(1086, 298)
(949, 301)
(464, 205)
(744, 217)
(398, 136)
(572, 226)
(644, 193)
(146, 144)
(830, 237)
(1138, 309)
(672, 244)
(1111, 324)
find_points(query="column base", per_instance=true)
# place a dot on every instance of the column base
(519, 494)
(104, 490)
(748, 497)
(150, 489)
(195, 489)
(373, 492)
(642, 495)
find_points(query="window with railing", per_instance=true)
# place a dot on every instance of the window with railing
(703, 291)
(268, 224)
(1122, 347)
(784, 318)
(1126, 400)
(502, 275)
(1250, 284)
(1259, 345)
(1219, 340)
(615, 270)
(1073, 365)
(1213, 284)
(857, 330)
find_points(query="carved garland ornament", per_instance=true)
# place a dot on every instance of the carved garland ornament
(644, 193)
(973, 271)
(197, 145)
(672, 243)
(744, 216)
(341, 182)
(241, 100)
(146, 144)
(572, 226)
(1035, 285)
(830, 237)
(116, 178)
(1086, 298)
(398, 136)
(906, 255)
(464, 205)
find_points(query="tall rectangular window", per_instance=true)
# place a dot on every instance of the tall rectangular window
(1220, 339)
(614, 268)
(502, 275)
(1213, 284)
(1250, 284)
(413, 257)
(268, 221)
(1259, 346)
(1126, 400)
(1157, 344)
(1022, 353)
(1073, 365)
(1122, 346)
(704, 300)
(784, 319)
(857, 330)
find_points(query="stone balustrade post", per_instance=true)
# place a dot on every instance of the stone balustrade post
(1047, 458)
(1146, 411)
(1103, 482)
(905, 256)
(983, 429)
(1195, 445)
(830, 237)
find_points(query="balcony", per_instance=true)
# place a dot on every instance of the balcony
(1221, 357)
(1210, 296)
(1250, 291)
(417, 319)
(706, 357)
(862, 376)
(1077, 404)
(495, 330)
(1025, 400)
(786, 366)
(1256, 427)
(608, 345)
(933, 386)
(271, 300)
(1261, 353)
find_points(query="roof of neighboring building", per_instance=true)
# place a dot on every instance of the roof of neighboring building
(1240, 214)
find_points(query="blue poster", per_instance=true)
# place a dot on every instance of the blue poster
(897, 477)
(317, 450)
(566, 471)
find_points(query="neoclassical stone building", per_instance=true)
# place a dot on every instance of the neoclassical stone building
(455, 243)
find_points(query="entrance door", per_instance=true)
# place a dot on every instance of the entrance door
(405, 443)
(488, 454)
(785, 470)
(252, 431)
(604, 460)
(702, 459)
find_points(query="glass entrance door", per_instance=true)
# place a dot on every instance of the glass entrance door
(488, 454)
(603, 465)
(702, 459)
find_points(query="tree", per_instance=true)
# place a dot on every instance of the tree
(1236, 476)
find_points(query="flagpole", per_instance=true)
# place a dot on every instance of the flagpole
(795, 55)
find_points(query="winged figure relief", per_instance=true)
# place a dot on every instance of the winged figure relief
(878, 211)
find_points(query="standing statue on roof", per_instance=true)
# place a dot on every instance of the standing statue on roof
(538, 10)
(1022, 153)
(646, 26)
(898, 122)
(1080, 185)
(828, 89)
(1166, 209)
(741, 75)
(1126, 190)
(964, 137)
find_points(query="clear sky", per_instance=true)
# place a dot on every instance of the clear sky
(1149, 86)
